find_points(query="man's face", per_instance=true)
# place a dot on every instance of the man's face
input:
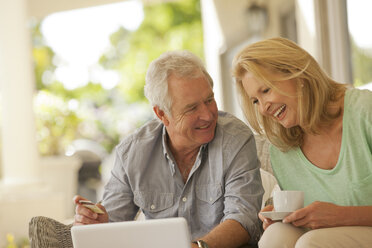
(194, 112)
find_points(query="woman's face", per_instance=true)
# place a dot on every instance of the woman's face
(270, 102)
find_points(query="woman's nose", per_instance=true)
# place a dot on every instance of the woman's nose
(264, 108)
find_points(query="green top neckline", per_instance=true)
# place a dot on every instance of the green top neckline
(315, 168)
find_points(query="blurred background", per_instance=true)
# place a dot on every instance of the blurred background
(72, 75)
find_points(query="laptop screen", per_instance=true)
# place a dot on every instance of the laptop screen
(160, 233)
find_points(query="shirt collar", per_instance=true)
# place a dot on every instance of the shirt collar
(168, 154)
(166, 151)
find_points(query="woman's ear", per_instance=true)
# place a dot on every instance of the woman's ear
(161, 115)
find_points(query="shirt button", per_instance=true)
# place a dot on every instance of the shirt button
(210, 199)
(152, 206)
(184, 199)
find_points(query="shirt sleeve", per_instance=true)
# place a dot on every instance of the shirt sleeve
(243, 188)
(118, 195)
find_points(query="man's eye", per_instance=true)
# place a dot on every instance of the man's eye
(210, 100)
(191, 109)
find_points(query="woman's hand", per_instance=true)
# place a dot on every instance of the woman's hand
(266, 221)
(317, 215)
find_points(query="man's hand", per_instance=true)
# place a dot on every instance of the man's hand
(316, 215)
(193, 245)
(84, 215)
(266, 222)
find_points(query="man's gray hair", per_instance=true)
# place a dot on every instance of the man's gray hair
(182, 64)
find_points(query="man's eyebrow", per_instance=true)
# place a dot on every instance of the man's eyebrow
(191, 105)
(211, 95)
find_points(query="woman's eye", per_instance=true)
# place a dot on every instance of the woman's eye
(266, 90)
(255, 101)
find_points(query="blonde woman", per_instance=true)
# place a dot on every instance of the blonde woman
(321, 135)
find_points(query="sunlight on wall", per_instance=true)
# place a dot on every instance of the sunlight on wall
(359, 15)
(305, 18)
(80, 37)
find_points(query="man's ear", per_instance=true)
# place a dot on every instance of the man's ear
(161, 115)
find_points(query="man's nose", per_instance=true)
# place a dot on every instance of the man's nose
(205, 112)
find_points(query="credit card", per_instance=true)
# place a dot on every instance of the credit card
(91, 206)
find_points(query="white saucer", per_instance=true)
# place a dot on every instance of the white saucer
(275, 215)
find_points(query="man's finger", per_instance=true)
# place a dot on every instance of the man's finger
(77, 198)
(82, 210)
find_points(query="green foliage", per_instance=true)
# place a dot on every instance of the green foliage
(167, 26)
(105, 116)
(55, 122)
(19, 243)
(362, 65)
(43, 56)
(65, 115)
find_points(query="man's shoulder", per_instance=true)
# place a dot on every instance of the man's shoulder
(230, 125)
(142, 136)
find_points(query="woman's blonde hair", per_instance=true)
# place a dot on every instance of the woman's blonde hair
(316, 92)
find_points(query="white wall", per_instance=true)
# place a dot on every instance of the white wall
(227, 29)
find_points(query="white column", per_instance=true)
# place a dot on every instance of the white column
(339, 41)
(22, 195)
(323, 32)
(19, 149)
(306, 26)
(213, 42)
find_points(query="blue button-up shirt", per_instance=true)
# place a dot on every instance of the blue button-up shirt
(224, 182)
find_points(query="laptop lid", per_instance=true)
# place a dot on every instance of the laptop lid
(160, 233)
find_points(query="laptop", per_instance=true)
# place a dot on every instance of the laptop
(159, 233)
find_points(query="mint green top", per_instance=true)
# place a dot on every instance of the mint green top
(349, 183)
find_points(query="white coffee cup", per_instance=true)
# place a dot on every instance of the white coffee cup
(288, 201)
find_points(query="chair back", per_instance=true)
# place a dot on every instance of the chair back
(47, 232)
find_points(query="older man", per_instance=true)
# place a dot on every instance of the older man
(192, 161)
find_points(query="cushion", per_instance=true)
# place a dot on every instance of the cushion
(262, 145)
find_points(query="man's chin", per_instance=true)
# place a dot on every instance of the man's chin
(204, 139)
(206, 135)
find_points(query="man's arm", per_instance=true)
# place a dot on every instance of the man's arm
(243, 193)
(229, 233)
(118, 197)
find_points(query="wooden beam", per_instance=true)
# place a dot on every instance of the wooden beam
(42, 8)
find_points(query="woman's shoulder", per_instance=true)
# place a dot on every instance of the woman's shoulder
(278, 155)
(358, 104)
(358, 97)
